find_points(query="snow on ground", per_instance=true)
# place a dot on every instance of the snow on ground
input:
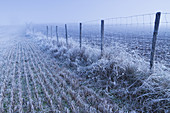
(123, 77)
(31, 80)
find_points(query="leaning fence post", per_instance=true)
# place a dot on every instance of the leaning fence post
(66, 34)
(102, 36)
(57, 33)
(80, 33)
(47, 32)
(157, 20)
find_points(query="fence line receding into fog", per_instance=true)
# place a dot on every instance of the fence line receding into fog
(138, 33)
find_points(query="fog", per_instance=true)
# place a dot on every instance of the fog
(71, 11)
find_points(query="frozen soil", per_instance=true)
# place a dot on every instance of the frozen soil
(32, 81)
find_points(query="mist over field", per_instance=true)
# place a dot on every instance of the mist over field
(85, 56)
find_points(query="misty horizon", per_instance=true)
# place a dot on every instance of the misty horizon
(74, 11)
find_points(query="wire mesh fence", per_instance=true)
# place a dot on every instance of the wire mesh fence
(135, 33)
(163, 41)
(91, 34)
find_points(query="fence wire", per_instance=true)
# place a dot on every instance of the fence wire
(91, 34)
(133, 32)
(163, 41)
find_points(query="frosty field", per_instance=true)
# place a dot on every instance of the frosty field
(38, 74)
(84, 56)
(122, 72)
(32, 81)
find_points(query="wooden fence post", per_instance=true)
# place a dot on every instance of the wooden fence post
(80, 34)
(157, 21)
(102, 36)
(47, 32)
(51, 32)
(33, 32)
(66, 34)
(57, 33)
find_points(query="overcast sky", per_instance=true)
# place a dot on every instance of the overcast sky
(66, 11)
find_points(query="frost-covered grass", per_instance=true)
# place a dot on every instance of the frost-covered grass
(123, 77)
(31, 81)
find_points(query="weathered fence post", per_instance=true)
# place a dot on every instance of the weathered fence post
(102, 36)
(33, 32)
(157, 20)
(47, 32)
(57, 33)
(66, 34)
(80, 34)
(51, 32)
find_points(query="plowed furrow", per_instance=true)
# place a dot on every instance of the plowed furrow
(31, 81)
(78, 101)
(6, 83)
(40, 83)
